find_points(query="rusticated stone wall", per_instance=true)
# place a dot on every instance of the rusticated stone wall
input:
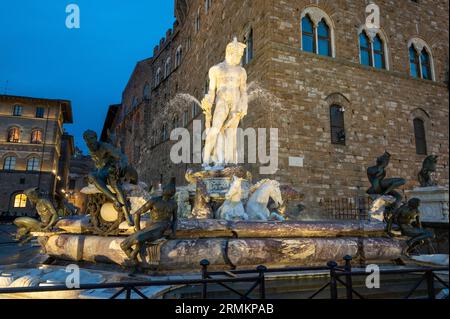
(380, 105)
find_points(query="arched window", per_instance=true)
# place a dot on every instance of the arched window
(195, 110)
(20, 201)
(36, 137)
(414, 62)
(425, 64)
(317, 32)
(167, 68)
(175, 122)
(146, 91)
(372, 50)
(40, 111)
(9, 164)
(420, 136)
(337, 125)
(154, 140)
(164, 135)
(208, 4)
(197, 21)
(365, 49)
(324, 38)
(17, 111)
(158, 77)
(135, 101)
(178, 56)
(308, 36)
(33, 164)
(420, 60)
(14, 135)
(378, 53)
(185, 118)
(248, 54)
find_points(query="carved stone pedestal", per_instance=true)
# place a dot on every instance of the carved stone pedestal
(434, 203)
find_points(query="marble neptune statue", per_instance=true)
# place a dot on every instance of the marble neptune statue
(228, 91)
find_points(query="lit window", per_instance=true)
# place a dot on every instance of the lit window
(10, 163)
(40, 112)
(17, 111)
(14, 135)
(33, 164)
(36, 137)
(20, 201)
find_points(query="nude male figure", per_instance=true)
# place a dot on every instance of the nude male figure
(228, 90)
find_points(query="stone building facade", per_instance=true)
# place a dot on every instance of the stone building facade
(34, 150)
(339, 93)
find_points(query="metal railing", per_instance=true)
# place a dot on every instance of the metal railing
(347, 208)
(338, 276)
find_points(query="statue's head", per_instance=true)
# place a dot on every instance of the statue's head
(384, 159)
(430, 163)
(170, 189)
(414, 203)
(91, 139)
(32, 194)
(235, 51)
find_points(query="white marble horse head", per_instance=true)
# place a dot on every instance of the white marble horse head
(234, 194)
(265, 189)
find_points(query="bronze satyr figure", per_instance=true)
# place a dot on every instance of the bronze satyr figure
(407, 217)
(428, 167)
(47, 215)
(163, 214)
(112, 169)
(380, 185)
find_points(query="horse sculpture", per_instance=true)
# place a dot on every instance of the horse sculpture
(260, 194)
(232, 208)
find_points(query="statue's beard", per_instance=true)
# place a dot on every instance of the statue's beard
(233, 60)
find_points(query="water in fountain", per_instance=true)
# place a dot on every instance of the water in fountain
(254, 90)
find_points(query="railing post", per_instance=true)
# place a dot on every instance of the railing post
(430, 285)
(128, 293)
(348, 276)
(333, 283)
(262, 281)
(204, 263)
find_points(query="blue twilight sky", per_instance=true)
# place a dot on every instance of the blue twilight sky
(90, 66)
